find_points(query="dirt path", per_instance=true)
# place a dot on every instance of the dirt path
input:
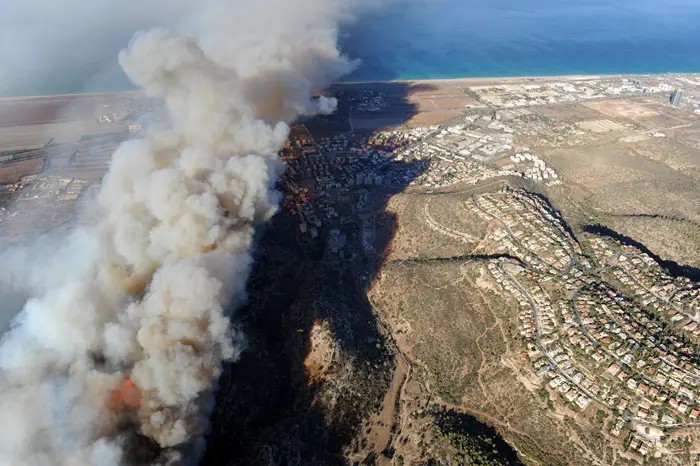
(487, 329)
(381, 434)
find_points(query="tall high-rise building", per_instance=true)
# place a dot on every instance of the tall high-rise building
(676, 97)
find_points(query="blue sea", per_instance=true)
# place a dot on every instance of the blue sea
(404, 39)
(422, 39)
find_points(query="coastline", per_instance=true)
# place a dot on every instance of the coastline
(481, 80)
(498, 79)
(465, 81)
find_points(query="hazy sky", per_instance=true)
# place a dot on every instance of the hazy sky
(54, 44)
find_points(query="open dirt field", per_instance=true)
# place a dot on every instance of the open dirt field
(33, 136)
(32, 123)
(442, 98)
(50, 109)
(615, 179)
(570, 112)
(689, 136)
(621, 108)
(673, 152)
(11, 173)
(433, 226)
(412, 103)
(600, 126)
(671, 239)
(461, 334)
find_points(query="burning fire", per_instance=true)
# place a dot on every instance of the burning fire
(125, 397)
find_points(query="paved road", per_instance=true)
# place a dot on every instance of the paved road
(574, 257)
(615, 357)
(538, 344)
(538, 341)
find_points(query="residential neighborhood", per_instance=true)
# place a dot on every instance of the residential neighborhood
(603, 324)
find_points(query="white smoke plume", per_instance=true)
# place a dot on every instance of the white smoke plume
(127, 324)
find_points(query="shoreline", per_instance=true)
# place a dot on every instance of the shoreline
(496, 79)
(479, 80)
(467, 80)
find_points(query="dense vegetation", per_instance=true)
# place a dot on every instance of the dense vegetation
(472, 442)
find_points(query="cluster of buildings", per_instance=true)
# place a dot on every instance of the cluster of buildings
(359, 100)
(482, 142)
(45, 187)
(599, 347)
(126, 109)
(538, 171)
(540, 329)
(327, 178)
(321, 168)
(563, 91)
(675, 298)
(445, 174)
(655, 378)
(55, 187)
(531, 230)
(39, 203)
(325, 172)
(476, 150)
(586, 340)
(639, 444)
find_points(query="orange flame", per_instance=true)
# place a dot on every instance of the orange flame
(125, 397)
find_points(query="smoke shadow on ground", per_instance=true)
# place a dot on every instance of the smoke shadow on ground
(318, 362)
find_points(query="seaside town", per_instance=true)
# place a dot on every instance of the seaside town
(603, 322)
(484, 142)
(609, 327)
(509, 96)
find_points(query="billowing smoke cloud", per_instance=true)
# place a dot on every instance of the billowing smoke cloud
(128, 322)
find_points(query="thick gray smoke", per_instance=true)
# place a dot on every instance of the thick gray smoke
(127, 324)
